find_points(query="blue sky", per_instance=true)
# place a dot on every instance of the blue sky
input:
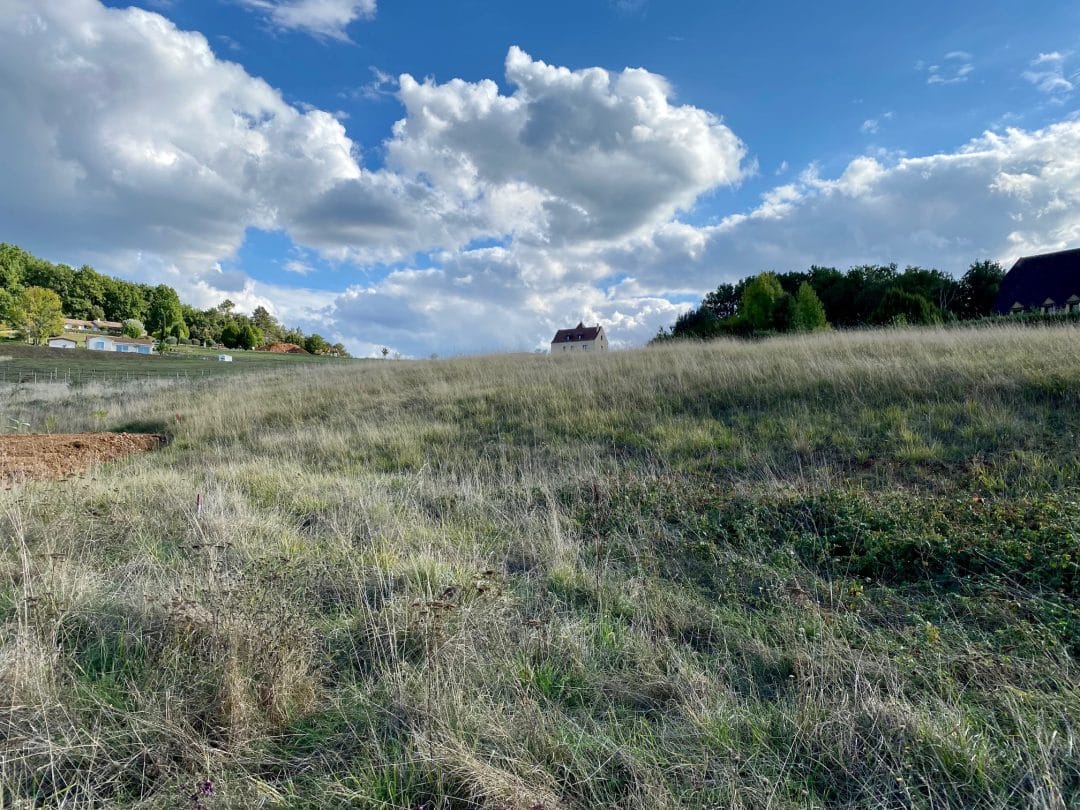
(464, 177)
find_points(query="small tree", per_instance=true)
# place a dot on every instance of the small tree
(979, 289)
(230, 336)
(134, 328)
(385, 351)
(316, 344)
(808, 314)
(248, 335)
(38, 313)
(759, 300)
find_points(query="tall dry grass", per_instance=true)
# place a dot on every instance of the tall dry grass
(824, 571)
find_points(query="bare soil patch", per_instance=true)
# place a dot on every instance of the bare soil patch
(283, 348)
(61, 455)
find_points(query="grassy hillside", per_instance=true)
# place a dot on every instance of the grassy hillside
(22, 363)
(838, 571)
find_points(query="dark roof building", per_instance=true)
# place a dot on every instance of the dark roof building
(1048, 283)
(579, 332)
(581, 337)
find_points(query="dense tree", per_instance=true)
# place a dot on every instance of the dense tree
(899, 307)
(316, 344)
(200, 324)
(164, 315)
(724, 301)
(12, 266)
(790, 282)
(251, 337)
(268, 324)
(697, 323)
(133, 327)
(835, 291)
(230, 335)
(123, 300)
(7, 302)
(978, 289)
(38, 313)
(759, 301)
(868, 284)
(864, 294)
(56, 277)
(85, 293)
(808, 314)
(940, 289)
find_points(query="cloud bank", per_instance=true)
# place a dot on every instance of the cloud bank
(502, 214)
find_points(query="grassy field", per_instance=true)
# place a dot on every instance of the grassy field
(835, 571)
(20, 362)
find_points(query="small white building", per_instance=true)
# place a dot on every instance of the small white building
(134, 345)
(101, 343)
(581, 338)
(62, 343)
(224, 358)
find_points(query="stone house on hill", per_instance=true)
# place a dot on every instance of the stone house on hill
(581, 338)
(1049, 283)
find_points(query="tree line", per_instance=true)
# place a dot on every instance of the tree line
(36, 295)
(867, 295)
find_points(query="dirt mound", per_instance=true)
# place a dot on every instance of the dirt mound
(35, 456)
(283, 348)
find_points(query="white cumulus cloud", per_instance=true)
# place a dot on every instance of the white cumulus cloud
(121, 132)
(128, 143)
(321, 18)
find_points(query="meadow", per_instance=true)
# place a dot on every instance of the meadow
(828, 571)
(24, 364)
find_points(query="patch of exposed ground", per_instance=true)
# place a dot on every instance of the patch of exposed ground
(61, 455)
(283, 348)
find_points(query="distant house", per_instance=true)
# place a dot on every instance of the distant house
(133, 345)
(224, 358)
(1048, 283)
(109, 327)
(62, 343)
(101, 343)
(581, 338)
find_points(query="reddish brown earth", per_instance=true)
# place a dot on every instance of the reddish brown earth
(60, 455)
(284, 348)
